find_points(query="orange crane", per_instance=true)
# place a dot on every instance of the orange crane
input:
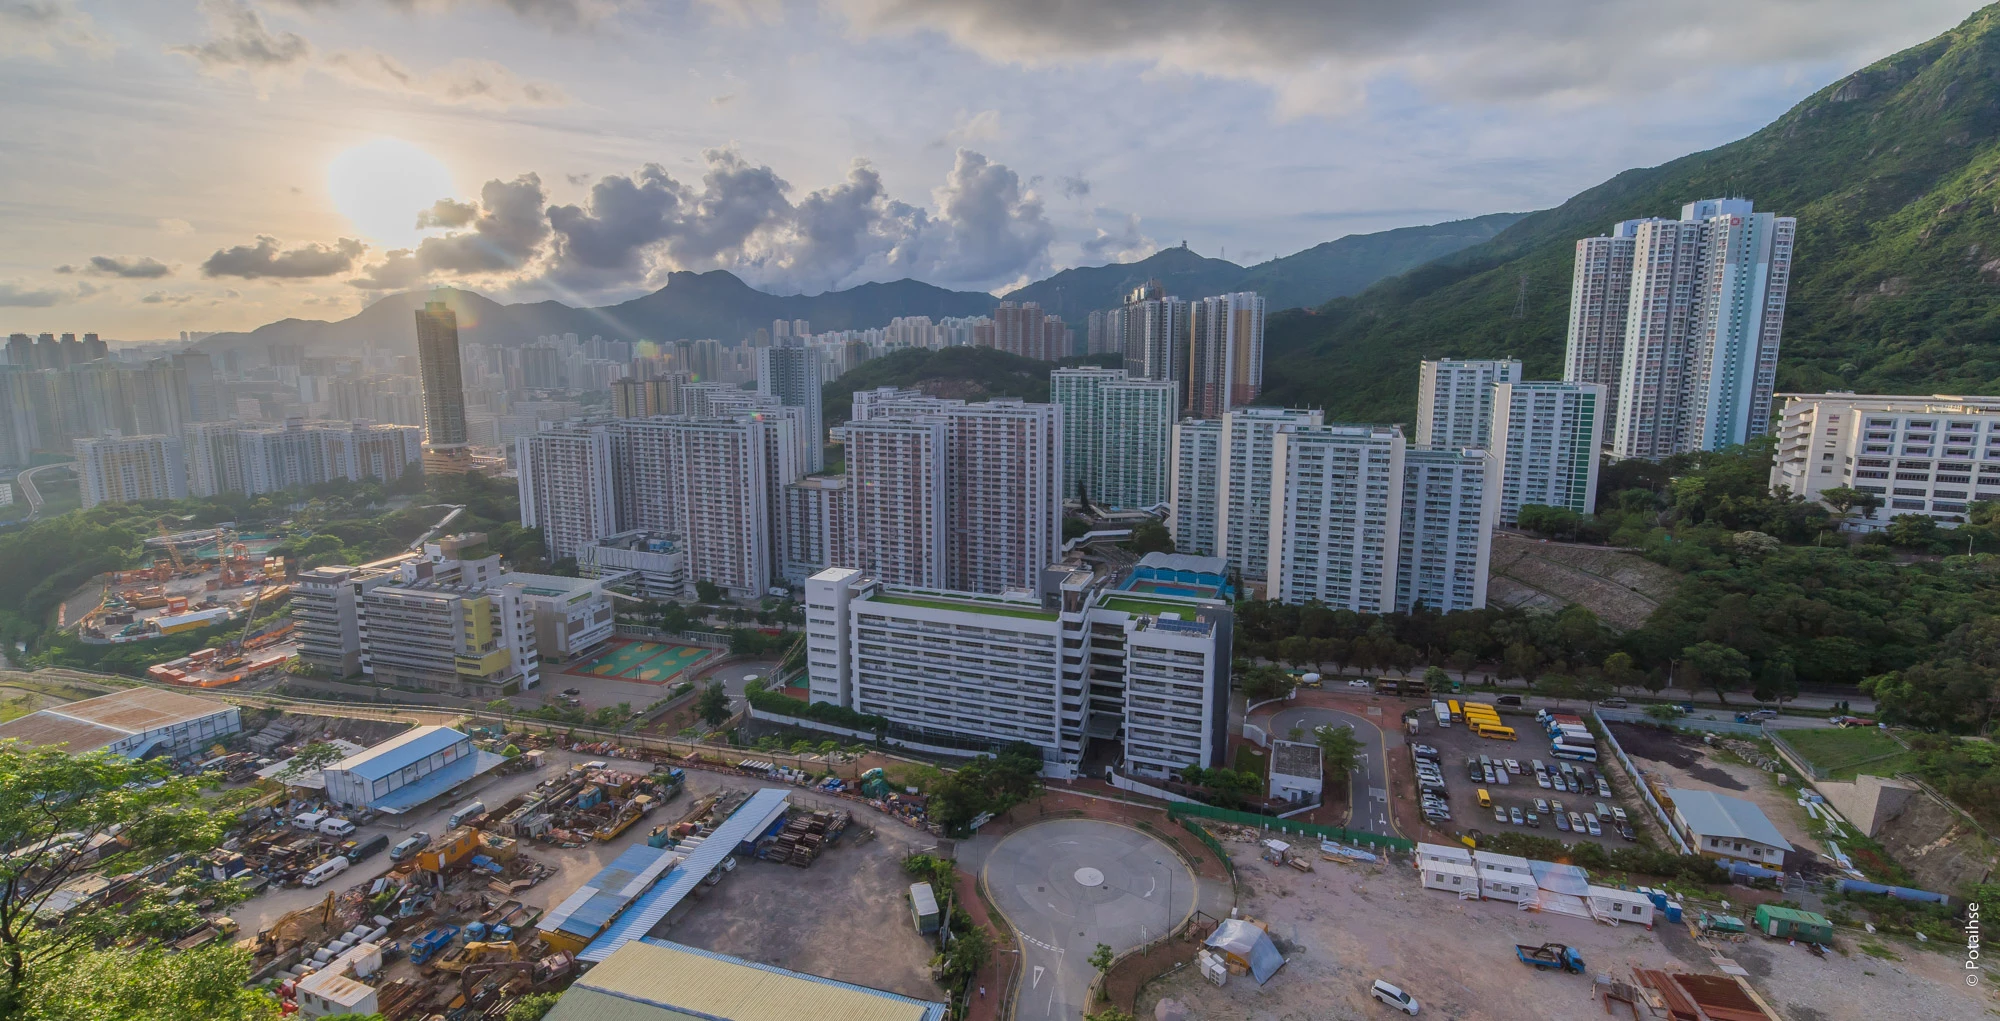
(174, 551)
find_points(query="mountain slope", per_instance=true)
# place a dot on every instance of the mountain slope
(1891, 171)
(691, 306)
(1333, 269)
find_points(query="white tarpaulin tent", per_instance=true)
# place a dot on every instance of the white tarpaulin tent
(1247, 945)
(1564, 889)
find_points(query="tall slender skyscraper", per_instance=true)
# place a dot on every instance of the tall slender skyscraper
(445, 448)
(1225, 361)
(790, 371)
(1154, 328)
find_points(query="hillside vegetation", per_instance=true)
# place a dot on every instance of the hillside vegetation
(1891, 171)
(967, 373)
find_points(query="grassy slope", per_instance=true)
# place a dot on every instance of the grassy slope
(1890, 171)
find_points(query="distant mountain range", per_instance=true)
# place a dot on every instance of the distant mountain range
(1893, 173)
(718, 304)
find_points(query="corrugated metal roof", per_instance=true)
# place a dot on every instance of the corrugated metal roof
(746, 822)
(676, 980)
(1719, 815)
(399, 751)
(95, 722)
(586, 912)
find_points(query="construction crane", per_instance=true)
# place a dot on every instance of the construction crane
(174, 551)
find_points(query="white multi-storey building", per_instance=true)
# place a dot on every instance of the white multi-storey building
(1548, 435)
(1232, 461)
(653, 564)
(1116, 436)
(1192, 482)
(1702, 314)
(898, 500)
(123, 469)
(818, 513)
(1225, 364)
(325, 607)
(566, 488)
(1334, 530)
(1079, 663)
(232, 457)
(1934, 456)
(1152, 327)
(1451, 501)
(1455, 400)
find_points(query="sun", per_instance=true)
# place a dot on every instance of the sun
(381, 186)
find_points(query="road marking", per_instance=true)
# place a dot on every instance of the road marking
(1378, 793)
(1037, 983)
(1051, 949)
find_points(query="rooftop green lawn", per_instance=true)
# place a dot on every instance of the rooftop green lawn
(1150, 607)
(966, 605)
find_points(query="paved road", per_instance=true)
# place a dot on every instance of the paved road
(1370, 782)
(1068, 885)
(28, 490)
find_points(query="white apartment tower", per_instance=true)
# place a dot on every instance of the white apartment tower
(1548, 436)
(791, 372)
(1192, 482)
(1455, 400)
(897, 498)
(1231, 460)
(1702, 313)
(123, 469)
(565, 480)
(1154, 328)
(1116, 435)
(815, 527)
(1336, 515)
(1225, 363)
(1933, 455)
(1451, 500)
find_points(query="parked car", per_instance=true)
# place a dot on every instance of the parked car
(1534, 820)
(1514, 816)
(1618, 814)
(1590, 823)
(1424, 751)
(409, 847)
(1394, 997)
(1358, 683)
(1603, 810)
(1542, 806)
(1472, 772)
(1487, 772)
(1514, 766)
(1556, 807)
(1625, 830)
(1499, 814)
(1574, 787)
(1603, 788)
(1543, 779)
(1562, 822)
(1575, 823)
(1500, 775)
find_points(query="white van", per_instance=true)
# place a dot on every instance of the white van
(336, 827)
(326, 870)
(308, 821)
(466, 811)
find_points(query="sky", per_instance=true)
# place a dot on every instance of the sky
(198, 165)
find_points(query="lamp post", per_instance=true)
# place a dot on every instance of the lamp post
(1170, 896)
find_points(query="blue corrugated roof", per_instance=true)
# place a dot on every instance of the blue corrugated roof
(586, 912)
(435, 783)
(400, 751)
(740, 826)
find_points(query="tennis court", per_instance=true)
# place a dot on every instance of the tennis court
(643, 661)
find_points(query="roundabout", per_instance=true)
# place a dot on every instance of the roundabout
(1068, 885)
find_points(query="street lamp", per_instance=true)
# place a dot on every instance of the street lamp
(1170, 896)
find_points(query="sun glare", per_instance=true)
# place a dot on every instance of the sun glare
(382, 185)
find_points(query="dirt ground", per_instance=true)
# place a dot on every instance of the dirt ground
(1684, 761)
(1343, 926)
(1620, 587)
(846, 917)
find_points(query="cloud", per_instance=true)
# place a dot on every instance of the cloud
(14, 295)
(240, 43)
(989, 227)
(1320, 56)
(562, 15)
(265, 260)
(141, 267)
(983, 126)
(463, 82)
(163, 298)
(1073, 186)
(38, 28)
(170, 225)
(1126, 244)
(508, 224)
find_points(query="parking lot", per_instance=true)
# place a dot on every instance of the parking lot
(1517, 788)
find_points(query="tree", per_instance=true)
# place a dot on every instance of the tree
(1101, 958)
(1152, 537)
(1913, 531)
(1437, 679)
(712, 705)
(1662, 713)
(1110, 1014)
(1619, 671)
(708, 592)
(311, 759)
(1719, 667)
(1559, 686)
(150, 983)
(1340, 750)
(1266, 682)
(533, 1007)
(53, 809)
(1844, 500)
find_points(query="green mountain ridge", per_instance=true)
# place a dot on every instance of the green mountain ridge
(1331, 269)
(1891, 171)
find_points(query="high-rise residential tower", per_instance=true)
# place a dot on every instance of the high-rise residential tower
(1600, 288)
(1548, 436)
(1116, 435)
(791, 372)
(1221, 485)
(1451, 500)
(1337, 497)
(1225, 361)
(1154, 328)
(123, 469)
(565, 482)
(445, 444)
(1455, 400)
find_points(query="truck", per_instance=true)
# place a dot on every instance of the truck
(430, 944)
(1551, 955)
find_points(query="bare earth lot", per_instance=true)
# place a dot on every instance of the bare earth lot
(1684, 761)
(1341, 927)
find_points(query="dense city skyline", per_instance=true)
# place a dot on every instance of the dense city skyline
(1365, 119)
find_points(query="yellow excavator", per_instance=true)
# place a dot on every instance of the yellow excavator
(480, 953)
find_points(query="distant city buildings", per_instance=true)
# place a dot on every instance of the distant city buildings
(1225, 364)
(235, 457)
(55, 398)
(1025, 330)
(1690, 313)
(1932, 456)
(1151, 330)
